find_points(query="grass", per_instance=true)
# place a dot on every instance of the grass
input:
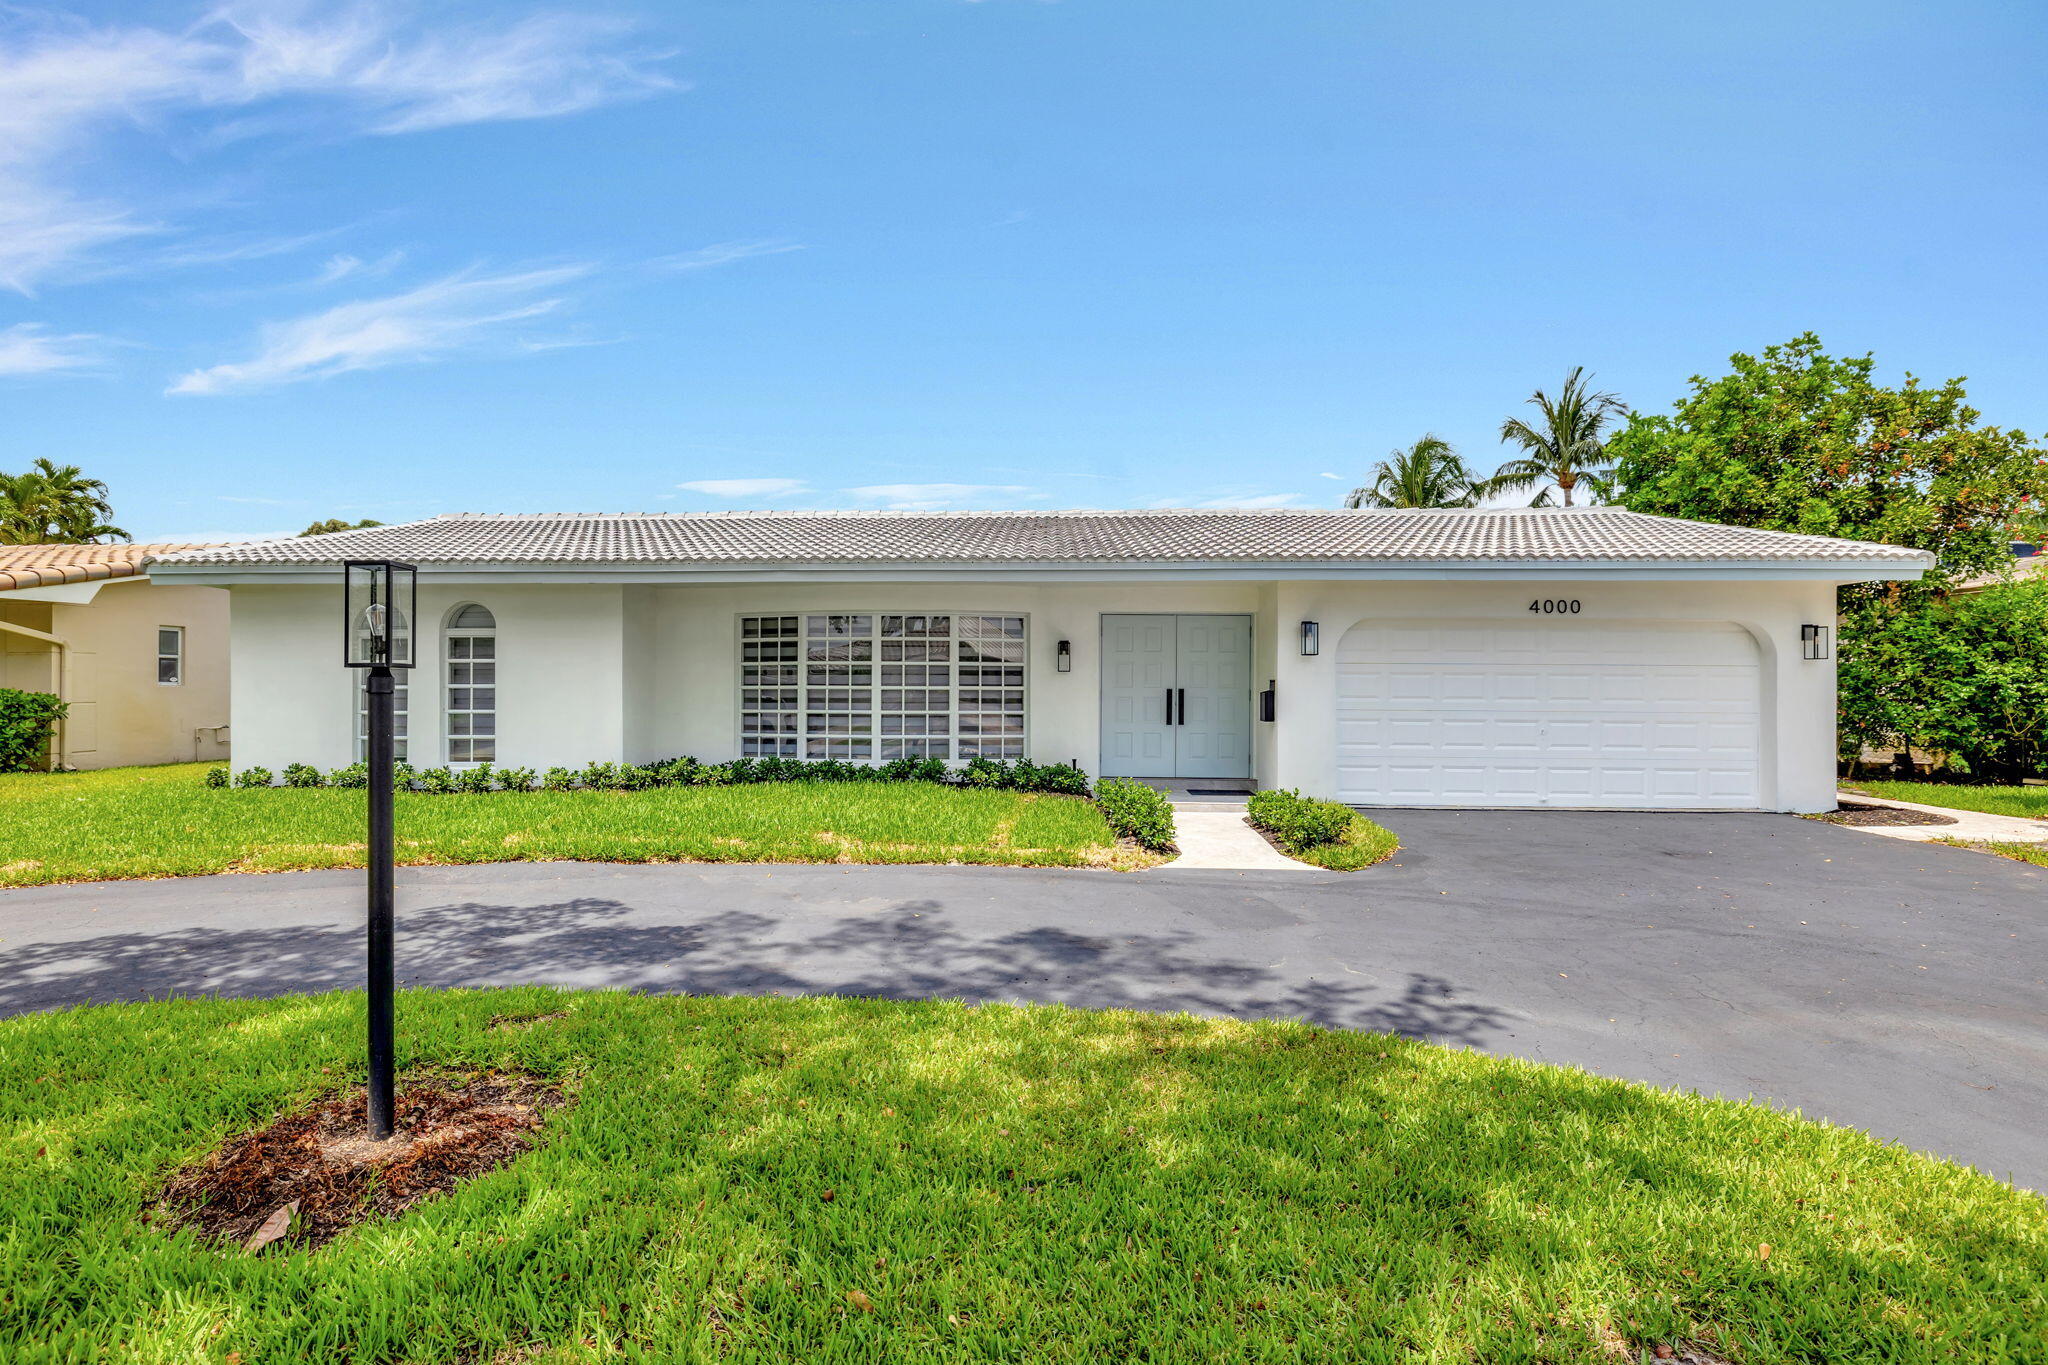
(1363, 844)
(161, 822)
(827, 1180)
(2021, 801)
(2036, 854)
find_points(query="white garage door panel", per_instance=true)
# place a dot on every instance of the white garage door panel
(1615, 713)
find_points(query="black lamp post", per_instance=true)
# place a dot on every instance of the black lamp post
(379, 598)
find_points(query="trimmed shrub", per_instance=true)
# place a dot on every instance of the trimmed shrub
(437, 780)
(303, 775)
(480, 778)
(1057, 779)
(558, 780)
(515, 779)
(254, 777)
(217, 777)
(601, 777)
(353, 778)
(1137, 812)
(1296, 822)
(27, 720)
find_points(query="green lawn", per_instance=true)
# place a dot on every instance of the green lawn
(158, 822)
(2028, 801)
(1007, 1184)
(1364, 844)
(2024, 853)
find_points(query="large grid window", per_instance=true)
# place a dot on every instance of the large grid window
(401, 691)
(880, 686)
(472, 664)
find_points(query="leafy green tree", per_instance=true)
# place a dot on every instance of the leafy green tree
(1564, 448)
(53, 504)
(1798, 440)
(1426, 474)
(1965, 677)
(333, 524)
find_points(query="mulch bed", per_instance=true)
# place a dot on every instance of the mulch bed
(1856, 813)
(307, 1177)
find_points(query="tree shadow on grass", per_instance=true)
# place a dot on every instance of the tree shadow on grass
(915, 950)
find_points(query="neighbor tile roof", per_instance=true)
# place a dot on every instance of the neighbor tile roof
(1053, 537)
(46, 566)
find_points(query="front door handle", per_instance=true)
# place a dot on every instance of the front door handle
(1169, 706)
(1183, 706)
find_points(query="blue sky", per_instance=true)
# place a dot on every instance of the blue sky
(270, 262)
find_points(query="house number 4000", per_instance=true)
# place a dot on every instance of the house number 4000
(1555, 606)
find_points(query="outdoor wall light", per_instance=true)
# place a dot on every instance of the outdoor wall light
(1813, 641)
(1311, 638)
(1063, 657)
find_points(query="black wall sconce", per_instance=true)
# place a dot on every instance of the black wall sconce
(1063, 657)
(1311, 638)
(1813, 641)
(1267, 702)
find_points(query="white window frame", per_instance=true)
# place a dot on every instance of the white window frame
(799, 743)
(177, 657)
(450, 667)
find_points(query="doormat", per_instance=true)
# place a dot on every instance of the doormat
(1216, 791)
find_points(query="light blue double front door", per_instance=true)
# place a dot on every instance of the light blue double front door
(1176, 696)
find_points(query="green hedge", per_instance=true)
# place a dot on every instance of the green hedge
(26, 722)
(983, 773)
(1320, 832)
(1137, 812)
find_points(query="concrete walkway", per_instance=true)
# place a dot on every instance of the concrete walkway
(1221, 839)
(1969, 824)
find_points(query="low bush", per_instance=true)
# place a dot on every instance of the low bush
(254, 777)
(218, 777)
(27, 720)
(984, 774)
(1137, 812)
(1321, 832)
(1298, 822)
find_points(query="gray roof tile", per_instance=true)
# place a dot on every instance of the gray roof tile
(1598, 534)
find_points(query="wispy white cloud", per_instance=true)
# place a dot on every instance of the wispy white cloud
(722, 253)
(1326, 474)
(344, 266)
(31, 348)
(932, 497)
(464, 312)
(64, 82)
(745, 488)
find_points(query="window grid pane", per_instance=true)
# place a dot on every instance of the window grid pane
(470, 687)
(869, 686)
(170, 654)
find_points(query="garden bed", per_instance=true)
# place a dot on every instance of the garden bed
(822, 1179)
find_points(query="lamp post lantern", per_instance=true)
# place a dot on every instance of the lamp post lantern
(379, 600)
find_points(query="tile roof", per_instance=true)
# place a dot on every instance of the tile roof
(1304, 535)
(47, 566)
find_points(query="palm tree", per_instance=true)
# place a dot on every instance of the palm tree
(1565, 448)
(54, 504)
(1426, 474)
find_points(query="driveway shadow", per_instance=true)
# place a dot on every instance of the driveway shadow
(913, 950)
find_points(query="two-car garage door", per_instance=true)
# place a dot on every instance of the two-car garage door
(1548, 712)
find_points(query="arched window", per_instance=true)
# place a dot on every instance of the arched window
(401, 630)
(472, 688)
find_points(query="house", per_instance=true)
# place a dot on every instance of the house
(1532, 657)
(143, 664)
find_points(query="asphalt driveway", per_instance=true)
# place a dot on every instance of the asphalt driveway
(1901, 988)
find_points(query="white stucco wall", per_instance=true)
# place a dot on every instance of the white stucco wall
(640, 672)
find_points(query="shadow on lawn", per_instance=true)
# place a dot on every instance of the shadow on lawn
(915, 950)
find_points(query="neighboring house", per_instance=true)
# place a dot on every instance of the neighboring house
(144, 666)
(2027, 562)
(1553, 658)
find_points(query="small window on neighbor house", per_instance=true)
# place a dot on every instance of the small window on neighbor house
(170, 655)
(472, 690)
